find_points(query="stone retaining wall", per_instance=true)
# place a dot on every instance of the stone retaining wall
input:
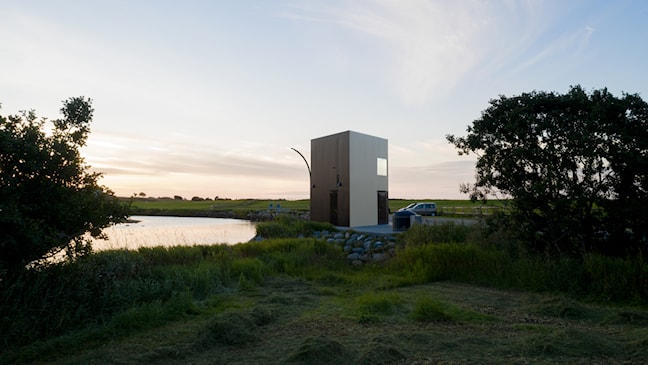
(361, 248)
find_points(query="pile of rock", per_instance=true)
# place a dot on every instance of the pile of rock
(361, 248)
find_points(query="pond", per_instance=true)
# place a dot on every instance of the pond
(150, 231)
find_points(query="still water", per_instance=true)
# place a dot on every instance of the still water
(151, 231)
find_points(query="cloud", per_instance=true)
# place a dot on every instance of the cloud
(167, 168)
(432, 47)
(124, 155)
(164, 168)
(441, 180)
(568, 45)
(431, 44)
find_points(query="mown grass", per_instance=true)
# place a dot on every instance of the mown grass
(291, 300)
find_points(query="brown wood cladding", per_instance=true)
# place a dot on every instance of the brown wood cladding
(330, 173)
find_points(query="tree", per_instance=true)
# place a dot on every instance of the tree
(575, 167)
(49, 199)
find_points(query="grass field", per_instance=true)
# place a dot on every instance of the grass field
(354, 318)
(329, 320)
(219, 205)
(445, 297)
(297, 205)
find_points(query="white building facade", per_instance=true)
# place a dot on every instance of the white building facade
(350, 180)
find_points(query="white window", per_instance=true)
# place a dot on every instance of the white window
(381, 167)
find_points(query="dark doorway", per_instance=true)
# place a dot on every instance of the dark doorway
(383, 208)
(333, 207)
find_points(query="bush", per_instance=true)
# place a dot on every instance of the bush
(49, 198)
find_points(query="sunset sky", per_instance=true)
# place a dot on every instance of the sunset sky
(206, 98)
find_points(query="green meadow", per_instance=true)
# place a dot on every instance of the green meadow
(217, 205)
(241, 206)
(450, 294)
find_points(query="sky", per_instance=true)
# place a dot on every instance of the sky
(207, 98)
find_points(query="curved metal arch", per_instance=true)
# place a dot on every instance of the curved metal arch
(302, 156)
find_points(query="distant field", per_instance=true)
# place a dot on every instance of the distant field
(447, 206)
(219, 205)
(395, 204)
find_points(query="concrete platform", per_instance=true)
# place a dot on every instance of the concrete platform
(387, 229)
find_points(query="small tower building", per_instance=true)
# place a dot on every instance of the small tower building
(349, 180)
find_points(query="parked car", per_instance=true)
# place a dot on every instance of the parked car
(411, 205)
(425, 208)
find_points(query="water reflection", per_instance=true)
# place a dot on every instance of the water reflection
(174, 231)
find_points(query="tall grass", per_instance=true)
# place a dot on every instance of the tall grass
(91, 291)
(293, 256)
(285, 226)
(371, 306)
(106, 285)
(421, 234)
(451, 261)
(436, 253)
(615, 279)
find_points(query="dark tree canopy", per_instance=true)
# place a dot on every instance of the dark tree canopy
(49, 199)
(575, 167)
